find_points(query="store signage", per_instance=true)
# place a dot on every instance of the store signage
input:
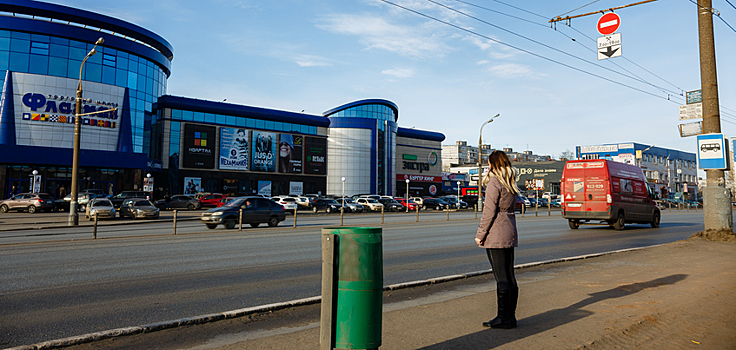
(199, 146)
(315, 154)
(416, 166)
(409, 156)
(419, 178)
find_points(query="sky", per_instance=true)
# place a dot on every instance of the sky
(450, 65)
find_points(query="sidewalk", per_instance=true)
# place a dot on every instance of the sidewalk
(676, 296)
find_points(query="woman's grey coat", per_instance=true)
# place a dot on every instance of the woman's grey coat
(497, 227)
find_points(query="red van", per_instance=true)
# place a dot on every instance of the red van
(610, 192)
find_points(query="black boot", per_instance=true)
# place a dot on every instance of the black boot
(506, 316)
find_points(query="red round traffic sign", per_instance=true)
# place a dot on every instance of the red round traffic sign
(608, 23)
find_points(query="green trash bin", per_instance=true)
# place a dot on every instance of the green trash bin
(358, 313)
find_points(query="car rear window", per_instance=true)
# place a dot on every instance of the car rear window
(288, 199)
(46, 197)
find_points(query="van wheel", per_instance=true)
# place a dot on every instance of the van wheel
(314, 209)
(573, 224)
(655, 220)
(620, 222)
(273, 221)
(229, 224)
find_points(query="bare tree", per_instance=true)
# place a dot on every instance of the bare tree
(567, 155)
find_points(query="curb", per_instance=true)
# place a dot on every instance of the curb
(158, 326)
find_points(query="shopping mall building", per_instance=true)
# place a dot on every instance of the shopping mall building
(182, 145)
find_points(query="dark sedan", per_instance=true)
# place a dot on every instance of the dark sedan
(434, 203)
(179, 201)
(256, 210)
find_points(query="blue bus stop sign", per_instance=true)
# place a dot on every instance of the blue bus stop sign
(712, 152)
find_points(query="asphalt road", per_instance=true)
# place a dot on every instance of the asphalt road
(140, 274)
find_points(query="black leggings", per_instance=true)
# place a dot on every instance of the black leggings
(502, 263)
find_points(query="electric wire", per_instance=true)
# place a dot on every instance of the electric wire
(590, 3)
(731, 4)
(523, 50)
(711, 10)
(634, 77)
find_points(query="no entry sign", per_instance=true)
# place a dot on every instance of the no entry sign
(608, 23)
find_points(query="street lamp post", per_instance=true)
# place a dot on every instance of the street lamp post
(73, 217)
(480, 163)
(407, 195)
(33, 181)
(342, 208)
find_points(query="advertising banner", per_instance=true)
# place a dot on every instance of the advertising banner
(296, 188)
(264, 188)
(192, 185)
(230, 187)
(315, 153)
(264, 151)
(199, 146)
(291, 148)
(44, 108)
(234, 149)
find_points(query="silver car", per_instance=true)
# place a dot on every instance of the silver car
(138, 208)
(28, 201)
(100, 207)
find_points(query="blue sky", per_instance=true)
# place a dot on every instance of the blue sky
(318, 54)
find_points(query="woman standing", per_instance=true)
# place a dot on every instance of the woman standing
(497, 233)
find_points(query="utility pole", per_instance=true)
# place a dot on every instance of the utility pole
(716, 197)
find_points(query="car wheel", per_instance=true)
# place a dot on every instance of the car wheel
(3, 208)
(328, 210)
(424, 207)
(211, 226)
(620, 222)
(655, 220)
(31, 209)
(229, 224)
(574, 224)
(273, 221)
(255, 224)
(82, 207)
(190, 207)
(314, 209)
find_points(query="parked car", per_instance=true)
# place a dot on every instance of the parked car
(350, 205)
(455, 202)
(289, 203)
(370, 203)
(118, 199)
(32, 202)
(434, 203)
(82, 199)
(256, 210)
(303, 202)
(326, 204)
(100, 207)
(179, 201)
(390, 204)
(520, 205)
(138, 208)
(417, 200)
(412, 206)
(471, 199)
(211, 200)
(224, 201)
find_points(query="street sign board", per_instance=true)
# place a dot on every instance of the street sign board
(609, 46)
(691, 129)
(694, 97)
(608, 23)
(712, 151)
(692, 111)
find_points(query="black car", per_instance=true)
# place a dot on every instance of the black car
(122, 196)
(391, 204)
(179, 201)
(434, 203)
(471, 199)
(455, 203)
(328, 205)
(256, 210)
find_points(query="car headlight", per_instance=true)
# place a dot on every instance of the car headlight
(217, 213)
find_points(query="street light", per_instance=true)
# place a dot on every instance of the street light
(342, 208)
(33, 182)
(642, 154)
(480, 161)
(458, 191)
(407, 195)
(73, 217)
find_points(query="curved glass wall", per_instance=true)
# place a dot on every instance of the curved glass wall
(48, 55)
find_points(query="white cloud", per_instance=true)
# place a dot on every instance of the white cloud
(311, 61)
(513, 70)
(399, 72)
(376, 33)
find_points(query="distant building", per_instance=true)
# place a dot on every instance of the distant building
(669, 170)
(461, 154)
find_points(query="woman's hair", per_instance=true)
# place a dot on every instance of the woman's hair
(500, 167)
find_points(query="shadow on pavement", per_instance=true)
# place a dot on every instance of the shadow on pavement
(490, 338)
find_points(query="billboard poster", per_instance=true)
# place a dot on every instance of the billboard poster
(290, 153)
(296, 188)
(44, 107)
(264, 188)
(199, 146)
(230, 187)
(234, 149)
(264, 151)
(315, 152)
(192, 185)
